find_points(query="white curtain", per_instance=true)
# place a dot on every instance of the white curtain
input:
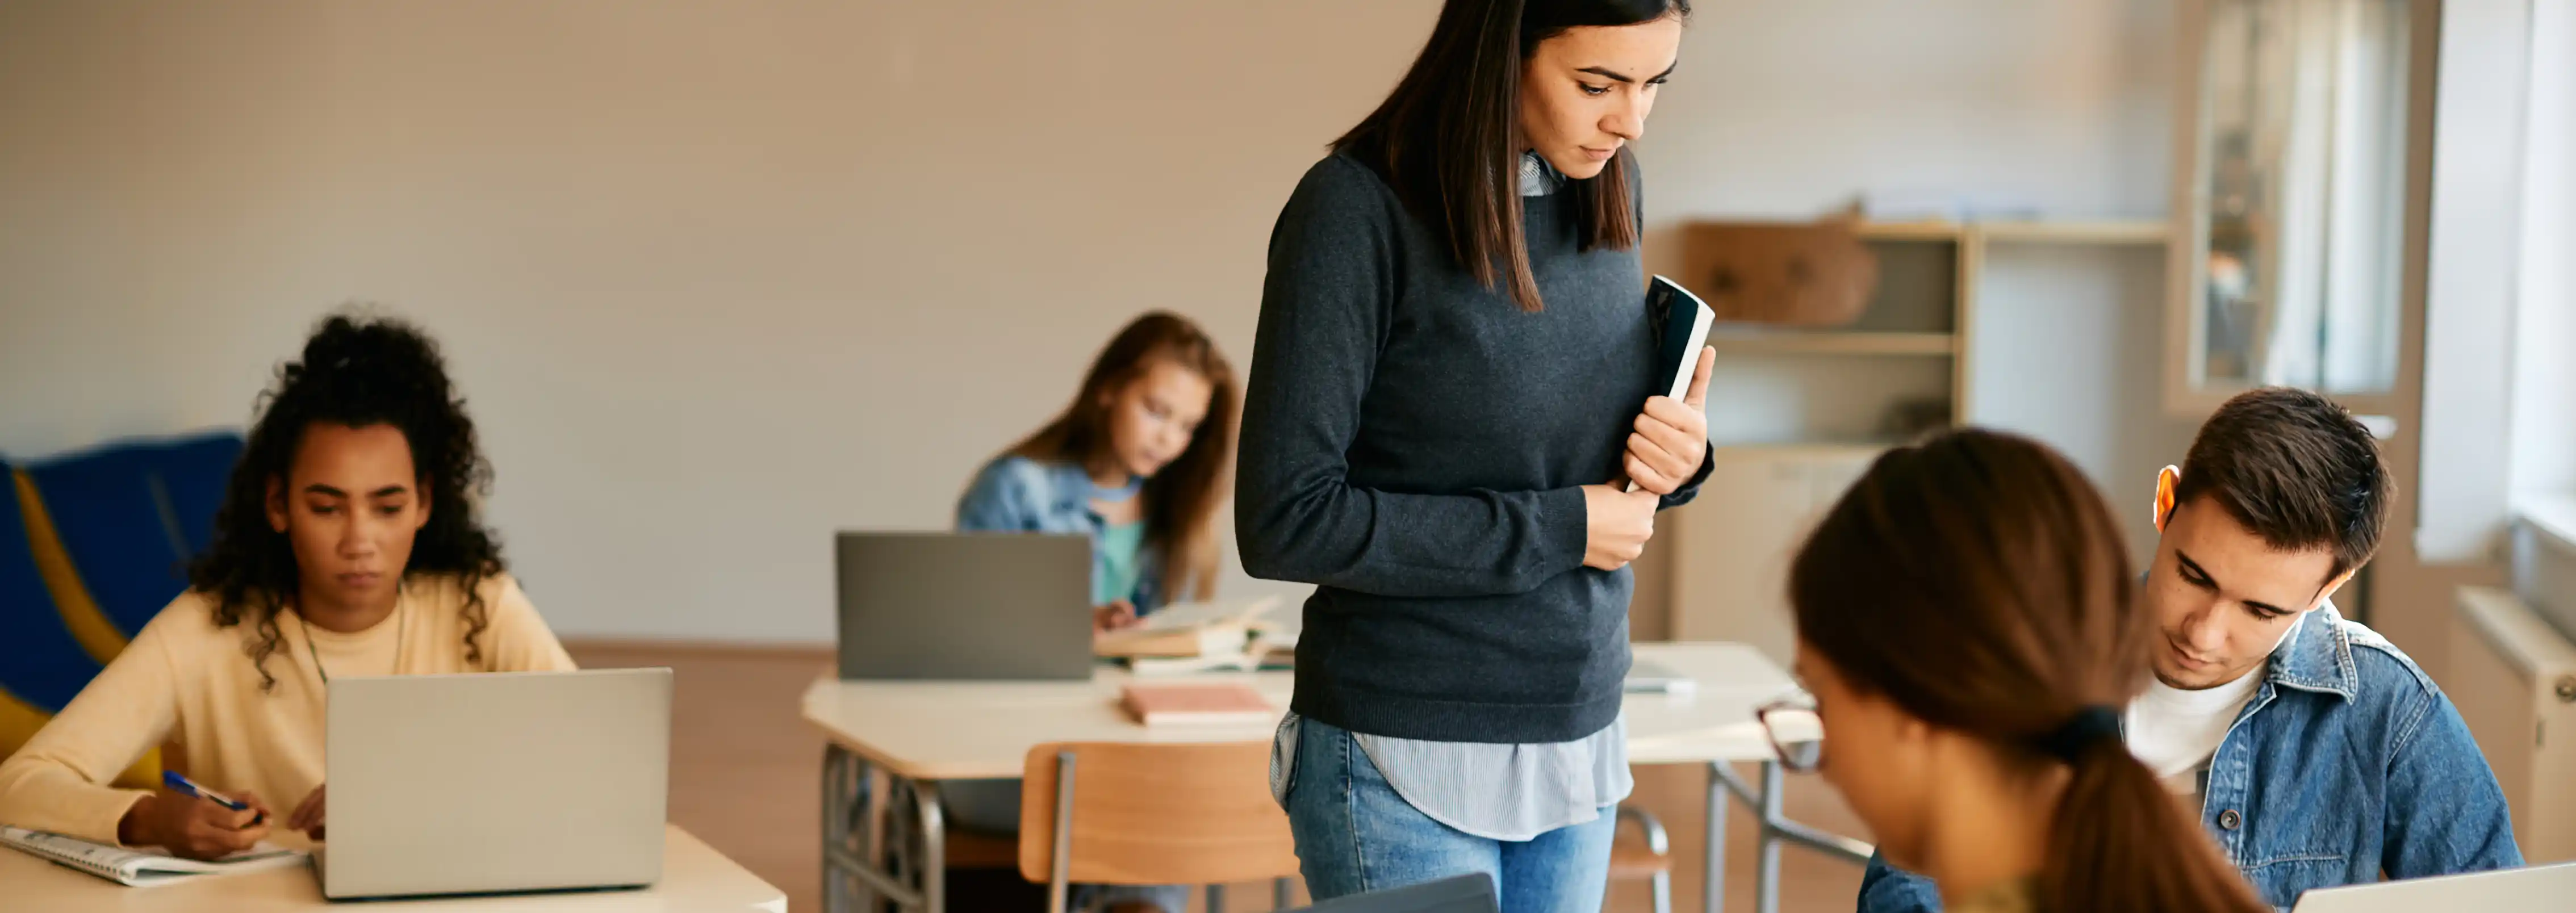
(2325, 116)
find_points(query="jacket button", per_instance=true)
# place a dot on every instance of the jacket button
(2229, 819)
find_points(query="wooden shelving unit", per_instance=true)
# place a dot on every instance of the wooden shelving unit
(1931, 275)
(1798, 414)
(2039, 231)
(1930, 230)
(2095, 232)
(1743, 341)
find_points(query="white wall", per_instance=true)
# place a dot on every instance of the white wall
(722, 277)
(2482, 95)
(2544, 360)
(1789, 109)
(2066, 350)
(718, 278)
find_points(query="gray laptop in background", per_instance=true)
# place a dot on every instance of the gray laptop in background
(965, 606)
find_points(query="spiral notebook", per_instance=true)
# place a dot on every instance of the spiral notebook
(138, 867)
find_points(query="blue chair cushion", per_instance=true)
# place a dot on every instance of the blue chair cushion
(132, 515)
(40, 664)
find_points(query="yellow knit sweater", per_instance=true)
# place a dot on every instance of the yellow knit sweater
(184, 680)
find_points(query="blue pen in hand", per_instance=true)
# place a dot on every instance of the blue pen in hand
(185, 786)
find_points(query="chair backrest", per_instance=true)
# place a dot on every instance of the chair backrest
(92, 546)
(43, 665)
(127, 518)
(1157, 814)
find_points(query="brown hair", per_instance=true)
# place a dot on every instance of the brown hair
(1978, 582)
(1443, 139)
(1180, 501)
(2296, 470)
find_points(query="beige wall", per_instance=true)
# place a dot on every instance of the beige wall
(1788, 109)
(721, 277)
(718, 277)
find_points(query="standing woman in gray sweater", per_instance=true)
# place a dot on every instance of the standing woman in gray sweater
(1450, 389)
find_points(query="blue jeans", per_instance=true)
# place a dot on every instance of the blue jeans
(1355, 834)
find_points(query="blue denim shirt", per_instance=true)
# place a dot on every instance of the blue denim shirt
(2347, 763)
(1019, 495)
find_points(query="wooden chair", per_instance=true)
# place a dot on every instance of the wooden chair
(1149, 814)
(1649, 857)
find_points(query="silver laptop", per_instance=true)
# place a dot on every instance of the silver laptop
(991, 606)
(2542, 887)
(502, 781)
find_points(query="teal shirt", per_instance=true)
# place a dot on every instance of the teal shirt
(1118, 560)
(1021, 495)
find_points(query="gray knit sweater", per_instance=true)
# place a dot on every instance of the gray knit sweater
(1413, 444)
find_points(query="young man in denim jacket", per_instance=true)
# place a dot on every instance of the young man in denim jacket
(2314, 751)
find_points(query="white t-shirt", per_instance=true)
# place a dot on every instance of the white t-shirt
(2175, 732)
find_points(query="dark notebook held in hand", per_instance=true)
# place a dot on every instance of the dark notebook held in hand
(1671, 307)
(1680, 322)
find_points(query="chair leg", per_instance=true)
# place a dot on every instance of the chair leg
(934, 845)
(1281, 895)
(1658, 843)
(1216, 898)
(1060, 879)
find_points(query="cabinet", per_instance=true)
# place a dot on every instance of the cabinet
(2045, 328)
(1732, 545)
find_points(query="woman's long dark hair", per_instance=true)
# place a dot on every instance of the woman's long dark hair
(1180, 501)
(354, 372)
(1444, 138)
(1977, 581)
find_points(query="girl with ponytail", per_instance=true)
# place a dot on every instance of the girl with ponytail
(1967, 626)
(350, 542)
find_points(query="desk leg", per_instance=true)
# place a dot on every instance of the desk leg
(1775, 828)
(832, 809)
(1713, 886)
(1766, 880)
(831, 814)
(846, 837)
(934, 847)
(867, 856)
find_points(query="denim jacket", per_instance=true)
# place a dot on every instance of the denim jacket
(1016, 494)
(2347, 763)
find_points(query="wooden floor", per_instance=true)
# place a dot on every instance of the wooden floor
(746, 778)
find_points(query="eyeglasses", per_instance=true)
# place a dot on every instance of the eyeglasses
(1797, 734)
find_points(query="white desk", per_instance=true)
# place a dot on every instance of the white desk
(912, 735)
(695, 879)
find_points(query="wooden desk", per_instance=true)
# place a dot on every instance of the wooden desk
(890, 743)
(695, 879)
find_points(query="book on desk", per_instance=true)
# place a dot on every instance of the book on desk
(1242, 635)
(1195, 704)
